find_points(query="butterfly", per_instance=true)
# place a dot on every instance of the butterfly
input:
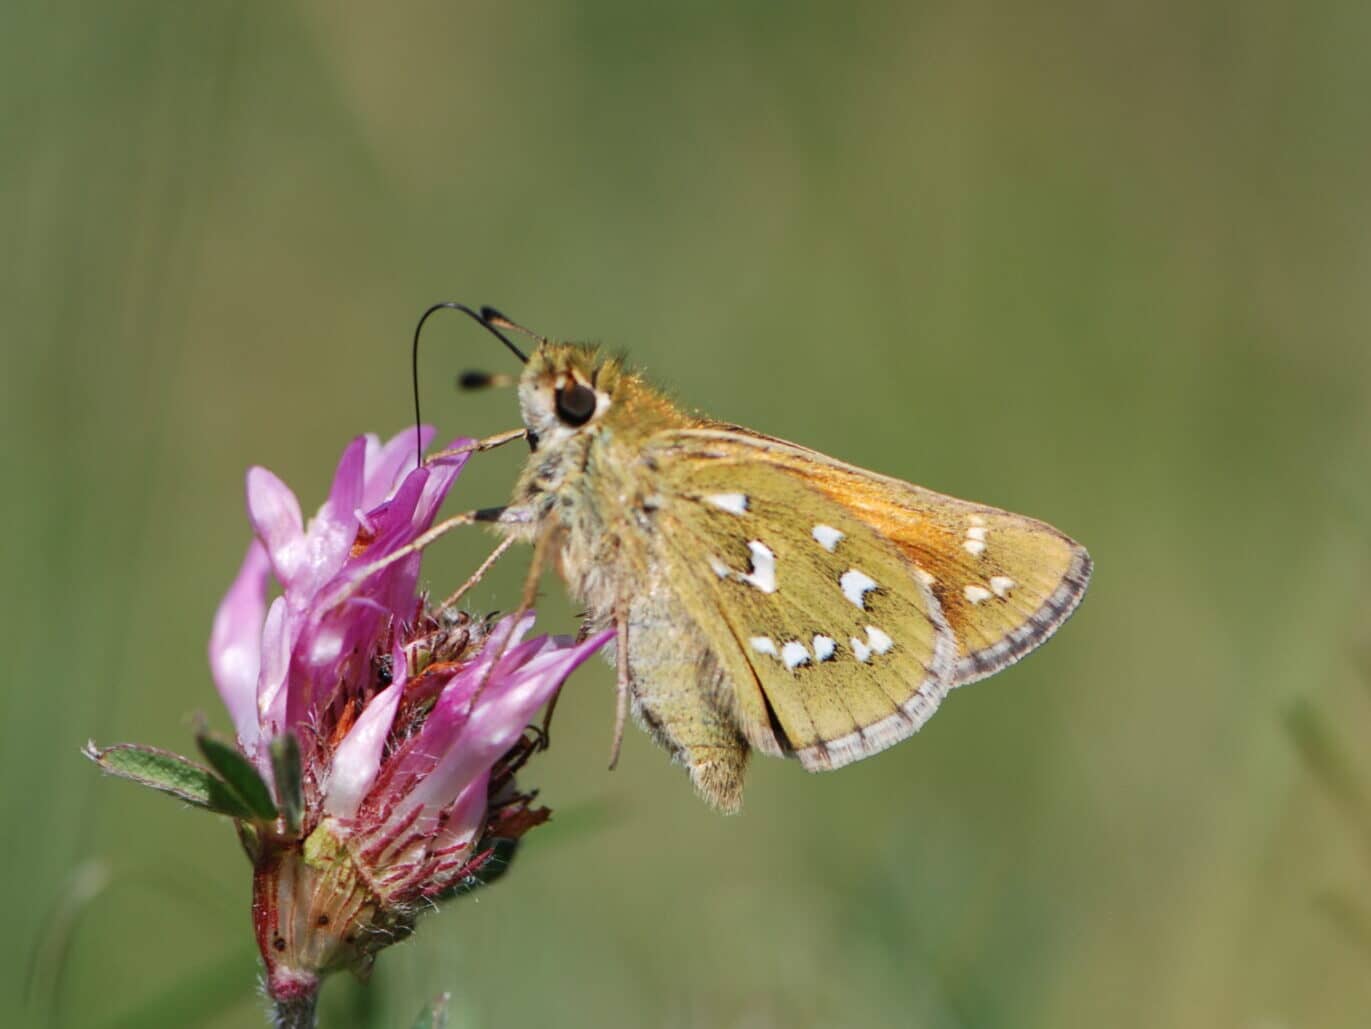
(764, 596)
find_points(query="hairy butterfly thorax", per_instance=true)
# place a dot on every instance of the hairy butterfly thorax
(588, 487)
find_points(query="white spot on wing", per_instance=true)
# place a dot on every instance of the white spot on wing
(763, 645)
(1002, 584)
(824, 646)
(924, 577)
(974, 544)
(976, 594)
(720, 569)
(856, 585)
(733, 503)
(763, 567)
(878, 640)
(828, 537)
(794, 654)
(859, 648)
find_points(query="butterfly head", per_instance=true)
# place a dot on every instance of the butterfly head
(583, 410)
(565, 392)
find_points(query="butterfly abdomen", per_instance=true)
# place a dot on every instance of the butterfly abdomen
(683, 697)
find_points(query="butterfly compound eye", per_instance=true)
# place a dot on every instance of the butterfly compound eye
(575, 404)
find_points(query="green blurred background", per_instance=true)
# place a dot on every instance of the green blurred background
(1106, 264)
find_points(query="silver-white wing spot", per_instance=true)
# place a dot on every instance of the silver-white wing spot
(794, 654)
(764, 645)
(880, 643)
(828, 537)
(856, 585)
(733, 503)
(1002, 584)
(976, 594)
(859, 648)
(824, 646)
(975, 540)
(763, 574)
(719, 568)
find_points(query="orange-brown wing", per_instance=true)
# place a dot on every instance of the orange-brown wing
(1005, 582)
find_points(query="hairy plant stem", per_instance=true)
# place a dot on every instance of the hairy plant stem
(295, 1012)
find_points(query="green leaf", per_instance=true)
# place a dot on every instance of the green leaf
(285, 764)
(170, 773)
(239, 774)
(434, 1015)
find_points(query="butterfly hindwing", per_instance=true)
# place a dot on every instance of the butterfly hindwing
(833, 647)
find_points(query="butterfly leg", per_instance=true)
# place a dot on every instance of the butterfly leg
(545, 730)
(624, 683)
(530, 594)
(479, 445)
(487, 514)
(479, 574)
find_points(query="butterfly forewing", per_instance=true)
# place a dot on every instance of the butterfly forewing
(833, 643)
(1004, 582)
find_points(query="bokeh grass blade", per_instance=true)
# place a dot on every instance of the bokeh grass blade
(1350, 918)
(50, 951)
(1329, 763)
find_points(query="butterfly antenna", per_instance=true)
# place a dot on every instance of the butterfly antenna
(481, 318)
(494, 317)
(475, 379)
